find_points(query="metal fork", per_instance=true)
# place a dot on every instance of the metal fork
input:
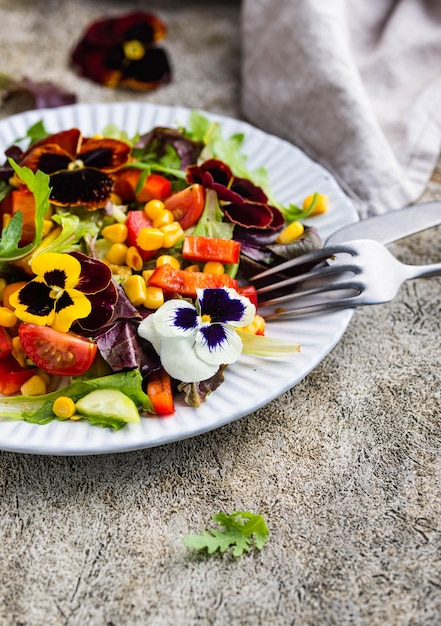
(371, 275)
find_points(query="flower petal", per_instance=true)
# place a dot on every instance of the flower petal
(180, 360)
(72, 305)
(85, 187)
(176, 318)
(147, 330)
(57, 270)
(218, 344)
(226, 305)
(104, 154)
(32, 303)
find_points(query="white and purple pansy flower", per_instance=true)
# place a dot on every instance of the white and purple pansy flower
(194, 340)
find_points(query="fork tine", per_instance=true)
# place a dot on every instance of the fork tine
(304, 259)
(347, 285)
(320, 272)
(320, 307)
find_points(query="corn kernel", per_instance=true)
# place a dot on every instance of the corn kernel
(192, 268)
(146, 275)
(64, 407)
(115, 233)
(167, 259)
(172, 234)
(35, 386)
(3, 283)
(154, 298)
(134, 259)
(18, 353)
(153, 208)
(290, 233)
(116, 254)
(8, 319)
(150, 239)
(9, 289)
(257, 326)
(322, 204)
(213, 267)
(115, 199)
(136, 289)
(164, 218)
(6, 218)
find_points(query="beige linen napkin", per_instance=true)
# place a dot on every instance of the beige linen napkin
(356, 84)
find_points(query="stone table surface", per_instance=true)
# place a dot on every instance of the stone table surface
(345, 467)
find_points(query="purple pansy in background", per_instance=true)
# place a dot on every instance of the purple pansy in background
(241, 201)
(122, 52)
(194, 340)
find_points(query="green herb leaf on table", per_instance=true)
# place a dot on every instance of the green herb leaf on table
(240, 531)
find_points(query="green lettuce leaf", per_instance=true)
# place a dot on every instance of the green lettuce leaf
(38, 185)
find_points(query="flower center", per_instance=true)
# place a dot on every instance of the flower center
(75, 165)
(206, 319)
(134, 50)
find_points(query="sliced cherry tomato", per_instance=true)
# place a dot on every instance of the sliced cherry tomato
(62, 354)
(160, 392)
(211, 249)
(185, 283)
(12, 375)
(136, 220)
(5, 343)
(155, 186)
(187, 205)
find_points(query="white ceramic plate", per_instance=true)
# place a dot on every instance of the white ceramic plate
(251, 382)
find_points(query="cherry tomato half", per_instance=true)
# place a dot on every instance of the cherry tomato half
(187, 205)
(62, 354)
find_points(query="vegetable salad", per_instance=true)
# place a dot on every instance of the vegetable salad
(123, 269)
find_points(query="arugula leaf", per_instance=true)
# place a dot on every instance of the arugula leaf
(241, 531)
(38, 185)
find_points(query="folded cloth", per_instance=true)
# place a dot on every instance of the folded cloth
(356, 85)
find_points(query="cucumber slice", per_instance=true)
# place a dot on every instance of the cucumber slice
(109, 403)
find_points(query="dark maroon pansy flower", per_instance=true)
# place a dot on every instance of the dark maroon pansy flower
(241, 201)
(97, 283)
(122, 52)
(79, 168)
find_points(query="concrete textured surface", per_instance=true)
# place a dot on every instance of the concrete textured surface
(345, 467)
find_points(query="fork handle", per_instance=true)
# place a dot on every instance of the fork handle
(419, 271)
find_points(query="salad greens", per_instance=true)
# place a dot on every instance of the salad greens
(236, 204)
(39, 409)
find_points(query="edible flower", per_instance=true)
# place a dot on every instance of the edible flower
(67, 288)
(194, 340)
(242, 202)
(121, 52)
(51, 298)
(79, 167)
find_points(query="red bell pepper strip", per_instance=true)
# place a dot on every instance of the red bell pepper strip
(160, 392)
(185, 283)
(5, 343)
(155, 186)
(12, 375)
(211, 249)
(136, 220)
(249, 291)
